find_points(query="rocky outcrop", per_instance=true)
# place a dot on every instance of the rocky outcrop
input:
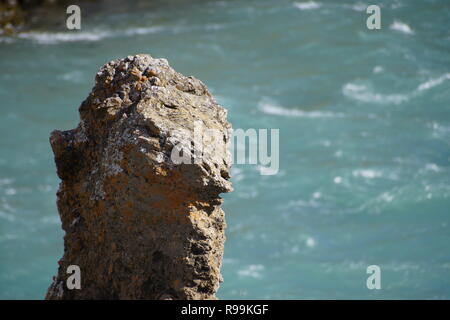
(12, 16)
(20, 15)
(141, 223)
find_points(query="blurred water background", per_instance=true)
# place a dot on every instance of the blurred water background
(364, 119)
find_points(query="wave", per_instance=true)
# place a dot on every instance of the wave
(309, 5)
(440, 131)
(95, 35)
(433, 82)
(310, 242)
(252, 271)
(367, 173)
(432, 167)
(100, 34)
(271, 108)
(141, 31)
(72, 76)
(359, 7)
(364, 94)
(378, 69)
(401, 27)
(52, 38)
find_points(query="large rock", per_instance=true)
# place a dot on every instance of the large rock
(138, 223)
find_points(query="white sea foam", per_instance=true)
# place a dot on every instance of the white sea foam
(378, 69)
(317, 195)
(387, 197)
(365, 94)
(10, 191)
(354, 265)
(432, 167)
(367, 173)
(54, 219)
(309, 5)
(214, 27)
(237, 174)
(72, 76)
(310, 242)
(229, 260)
(57, 37)
(274, 109)
(247, 193)
(439, 131)
(325, 143)
(360, 7)
(433, 82)
(337, 180)
(252, 271)
(140, 31)
(401, 266)
(401, 27)
(86, 36)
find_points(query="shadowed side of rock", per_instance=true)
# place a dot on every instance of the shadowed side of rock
(138, 224)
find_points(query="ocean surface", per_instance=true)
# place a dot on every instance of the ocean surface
(364, 119)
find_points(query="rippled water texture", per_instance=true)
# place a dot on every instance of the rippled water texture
(364, 119)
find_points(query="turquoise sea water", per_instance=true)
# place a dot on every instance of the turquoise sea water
(364, 119)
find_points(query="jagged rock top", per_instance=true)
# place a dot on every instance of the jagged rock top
(140, 98)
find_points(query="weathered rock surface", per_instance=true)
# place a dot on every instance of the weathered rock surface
(11, 16)
(138, 224)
